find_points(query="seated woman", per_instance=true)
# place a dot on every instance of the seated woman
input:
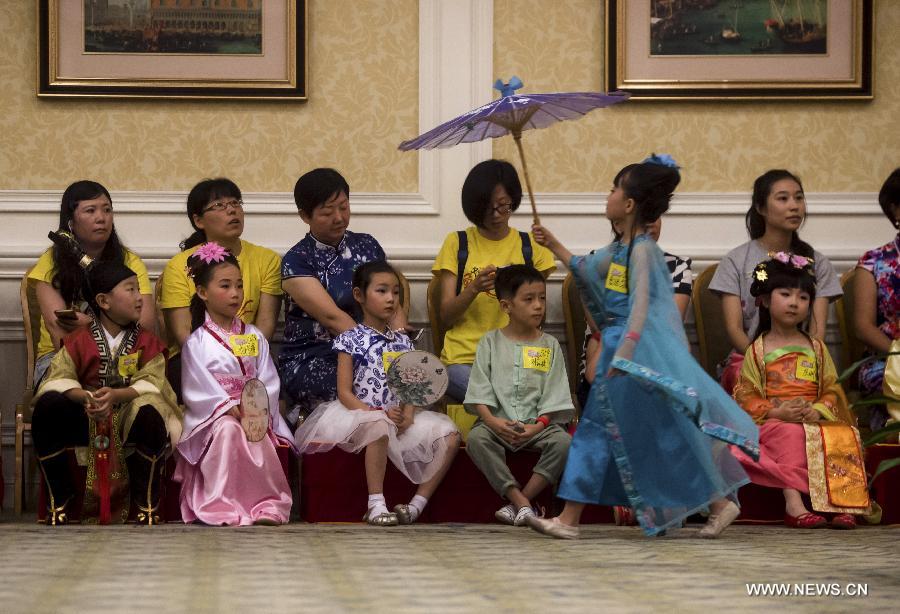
(777, 211)
(468, 262)
(876, 297)
(317, 276)
(85, 214)
(216, 211)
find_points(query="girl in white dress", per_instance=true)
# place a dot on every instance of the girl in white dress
(367, 415)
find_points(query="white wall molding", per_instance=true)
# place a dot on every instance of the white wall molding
(401, 203)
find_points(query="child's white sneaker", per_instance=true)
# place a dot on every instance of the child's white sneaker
(506, 514)
(522, 516)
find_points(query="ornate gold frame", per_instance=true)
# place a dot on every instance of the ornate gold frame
(686, 87)
(292, 86)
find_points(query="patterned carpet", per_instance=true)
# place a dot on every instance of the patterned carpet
(436, 568)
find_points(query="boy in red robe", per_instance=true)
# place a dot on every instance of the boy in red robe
(106, 390)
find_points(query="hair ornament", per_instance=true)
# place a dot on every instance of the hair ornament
(211, 252)
(795, 260)
(662, 160)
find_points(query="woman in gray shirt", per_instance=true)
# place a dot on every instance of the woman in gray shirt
(777, 211)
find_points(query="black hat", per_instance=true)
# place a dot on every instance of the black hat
(102, 277)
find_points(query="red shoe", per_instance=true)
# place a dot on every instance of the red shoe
(843, 521)
(805, 521)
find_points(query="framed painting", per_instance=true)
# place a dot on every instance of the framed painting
(237, 49)
(739, 49)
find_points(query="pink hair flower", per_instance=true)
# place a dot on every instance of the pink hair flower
(211, 252)
(799, 261)
(782, 257)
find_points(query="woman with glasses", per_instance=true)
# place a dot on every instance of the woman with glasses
(468, 262)
(216, 211)
(317, 276)
(86, 215)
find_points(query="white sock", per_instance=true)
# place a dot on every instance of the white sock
(377, 504)
(417, 503)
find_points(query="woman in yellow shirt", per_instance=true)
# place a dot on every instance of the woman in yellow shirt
(468, 262)
(215, 208)
(85, 213)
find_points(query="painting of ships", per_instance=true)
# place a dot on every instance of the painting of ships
(799, 32)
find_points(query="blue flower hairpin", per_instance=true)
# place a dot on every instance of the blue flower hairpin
(508, 89)
(661, 159)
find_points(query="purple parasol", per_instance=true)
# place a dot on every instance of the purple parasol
(511, 114)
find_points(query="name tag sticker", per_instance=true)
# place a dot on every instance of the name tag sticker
(806, 369)
(128, 364)
(536, 358)
(388, 358)
(244, 345)
(615, 278)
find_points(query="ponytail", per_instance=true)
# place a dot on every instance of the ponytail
(197, 238)
(198, 312)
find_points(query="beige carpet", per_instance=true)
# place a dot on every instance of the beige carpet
(436, 568)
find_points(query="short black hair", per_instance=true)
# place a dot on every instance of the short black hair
(889, 196)
(363, 274)
(510, 278)
(316, 187)
(479, 186)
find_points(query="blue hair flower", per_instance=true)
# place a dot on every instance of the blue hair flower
(661, 159)
(508, 89)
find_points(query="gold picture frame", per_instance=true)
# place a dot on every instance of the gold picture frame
(191, 49)
(671, 50)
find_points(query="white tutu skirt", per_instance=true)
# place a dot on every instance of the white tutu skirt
(418, 453)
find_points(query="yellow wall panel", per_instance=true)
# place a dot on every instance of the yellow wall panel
(363, 100)
(723, 146)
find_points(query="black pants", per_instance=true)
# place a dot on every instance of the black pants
(59, 423)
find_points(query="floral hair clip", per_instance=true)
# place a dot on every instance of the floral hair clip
(211, 252)
(798, 262)
(662, 160)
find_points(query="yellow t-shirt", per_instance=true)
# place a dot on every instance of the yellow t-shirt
(484, 313)
(260, 270)
(45, 269)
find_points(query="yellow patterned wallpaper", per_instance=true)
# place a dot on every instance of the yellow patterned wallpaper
(833, 146)
(363, 88)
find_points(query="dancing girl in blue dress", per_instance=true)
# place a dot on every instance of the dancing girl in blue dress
(655, 432)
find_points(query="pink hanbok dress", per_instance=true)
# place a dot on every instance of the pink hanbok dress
(225, 479)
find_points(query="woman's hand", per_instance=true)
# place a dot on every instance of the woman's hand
(484, 281)
(70, 324)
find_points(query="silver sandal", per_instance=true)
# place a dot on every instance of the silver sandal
(384, 519)
(404, 513)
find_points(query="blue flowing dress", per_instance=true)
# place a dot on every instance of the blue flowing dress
(656, 438)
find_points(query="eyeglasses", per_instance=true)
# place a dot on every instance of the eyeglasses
(502, 209)
(229, 204)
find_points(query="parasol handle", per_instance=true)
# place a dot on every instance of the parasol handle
(517, 137)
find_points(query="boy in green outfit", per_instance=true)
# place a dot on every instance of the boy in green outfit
(519, 391)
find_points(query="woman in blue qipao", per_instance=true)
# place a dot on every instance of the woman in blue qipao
(317, 277)
(656, 429)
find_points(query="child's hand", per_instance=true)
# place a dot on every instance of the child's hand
(396, 415)
(528, 431)
(543, 236)
(104, 400)
(810, 414)
(503, 428)
(787, 411)
(235, 412)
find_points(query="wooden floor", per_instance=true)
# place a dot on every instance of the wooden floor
(436, 568)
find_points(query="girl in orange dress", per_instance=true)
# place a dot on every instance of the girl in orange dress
(788, 384)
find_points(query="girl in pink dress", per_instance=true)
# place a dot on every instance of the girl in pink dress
(225, 478)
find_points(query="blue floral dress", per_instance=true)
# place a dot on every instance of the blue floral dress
(884, 264)
(656, 438)
(307, 363)
(370, 351)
